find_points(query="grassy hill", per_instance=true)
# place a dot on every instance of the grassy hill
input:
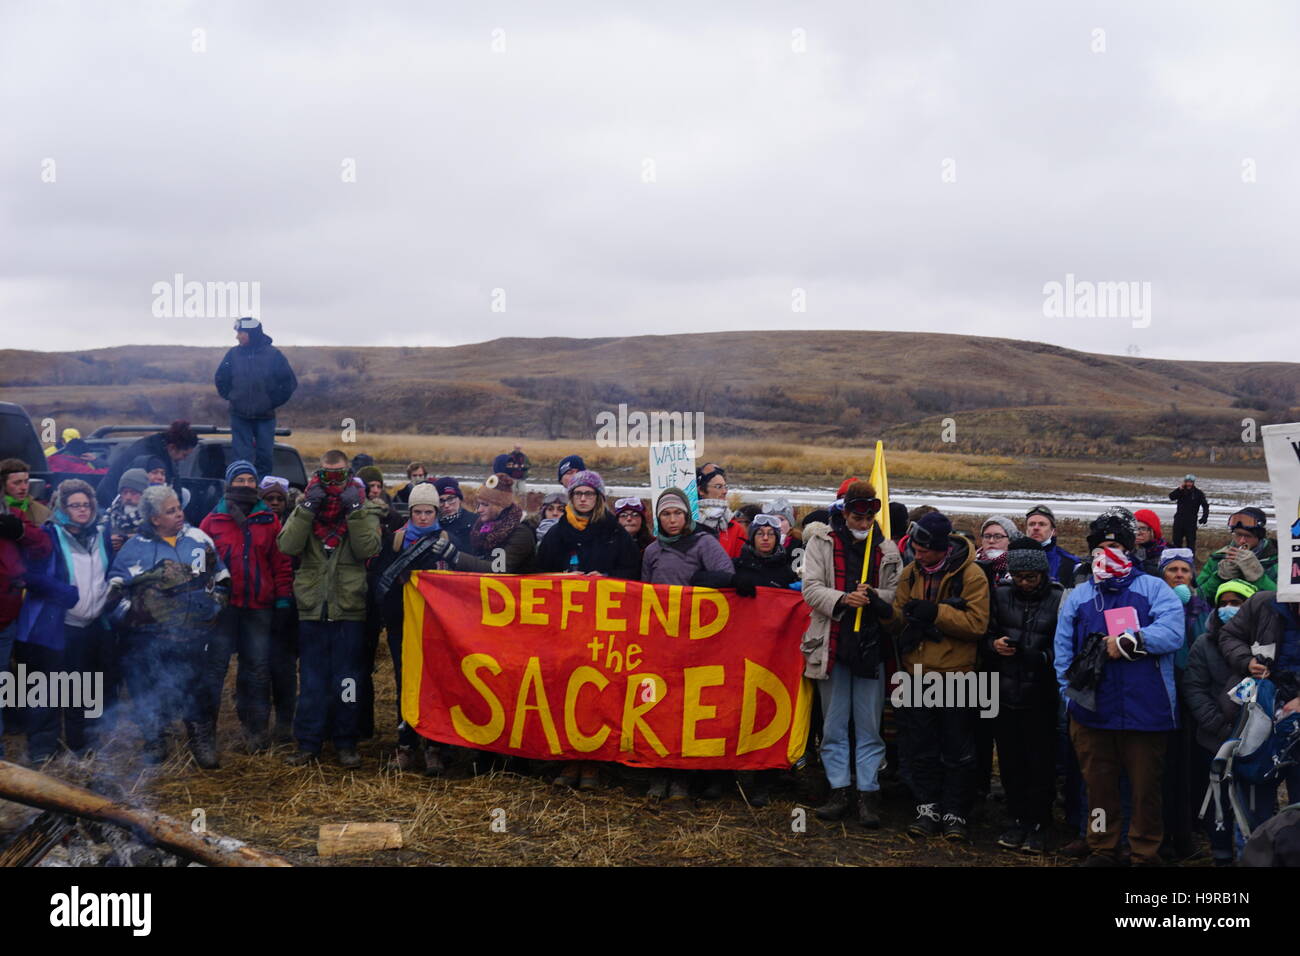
(836, 388)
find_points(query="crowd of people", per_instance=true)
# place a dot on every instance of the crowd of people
(1112, 668)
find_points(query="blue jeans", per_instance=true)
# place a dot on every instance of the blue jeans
(253, 439)
(330, 660)
(844, 696)
(7, 635)
(248, 631)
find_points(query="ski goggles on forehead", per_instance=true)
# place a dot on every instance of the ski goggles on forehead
(765, 521)
(632, 503)
(921, 538)
(862, 506)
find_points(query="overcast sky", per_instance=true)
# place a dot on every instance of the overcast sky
(791, 146)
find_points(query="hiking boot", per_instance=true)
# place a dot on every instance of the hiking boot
(955, 828)
(433, 763)
(658, 788)
(1077, 849)
(404, 759)
(202, 745)
(1014, 838)
(715, 785)
(679, 789)
(754, 786)
(589, 777)
(869, 809)
(300, 758)
(256, 741)
(927, 822)
(348, 758)
(1100, 859)
(1035, 842)
(568, 776)
(836, 805)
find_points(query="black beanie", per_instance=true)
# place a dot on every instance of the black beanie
(1026, 554)
(1117, 523)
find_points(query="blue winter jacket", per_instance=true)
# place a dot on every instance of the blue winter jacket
(51, 592)
(187, 605)
(1056, 557)
(1132, 695)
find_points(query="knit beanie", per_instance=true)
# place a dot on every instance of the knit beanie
(1150, 519)
(136, 479)
(423, 494)
(672, 498)
(1026, 554)
(1244, 588)
(498, 489)
(1114, 523)
(569, 463)
(1003, 522)
(781, 508)
(588, 479)
(932, 531)
(370, 473)
(235, 469)
(446, 486)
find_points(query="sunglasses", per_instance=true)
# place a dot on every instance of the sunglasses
(862, 506)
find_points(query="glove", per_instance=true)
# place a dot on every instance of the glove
(880, 607)
(922, 612)
(1228, 569)
(744, 585)
(443, 549)
(313, 498)
(1249, 566)
(351, 498)
(1131, 646)
(11, 527)
(1205, 520)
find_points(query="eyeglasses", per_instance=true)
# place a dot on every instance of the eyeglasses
(447, 498)
(582, 494)
(1024, 575)
(995, 536)
(78, 507)
(862, 506)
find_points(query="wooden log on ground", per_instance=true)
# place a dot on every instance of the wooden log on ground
(35, 789)
(339, 839)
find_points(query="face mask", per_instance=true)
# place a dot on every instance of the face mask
(992, 554)
(1226, 614)
(1110, 563)
(860, 535)
(1184, 592)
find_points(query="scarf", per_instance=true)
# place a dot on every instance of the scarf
(20, 505)
(579, 522)
(1110, 565)
(241, 501)
(838, 544)
(412, 534)
(486, 536)
(123, 519)
(331, 522)
(714, 516)
(688, 529)
(996, 559)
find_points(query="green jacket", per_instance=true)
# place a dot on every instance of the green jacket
(332, 588)
(1263, 577)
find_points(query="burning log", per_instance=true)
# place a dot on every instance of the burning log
(44, 792)
(37, 839)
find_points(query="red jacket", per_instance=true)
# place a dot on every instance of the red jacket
(260, 573)
(733, 538)
(33, 546)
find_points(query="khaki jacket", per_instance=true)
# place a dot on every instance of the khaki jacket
(961, 629)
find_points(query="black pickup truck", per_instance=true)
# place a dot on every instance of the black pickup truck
(202, 473)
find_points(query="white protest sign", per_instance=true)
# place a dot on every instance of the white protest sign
(1282, 453)
(672, 465)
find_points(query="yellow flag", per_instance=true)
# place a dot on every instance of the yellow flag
(880, 481)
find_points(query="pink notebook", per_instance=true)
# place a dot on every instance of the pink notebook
(1121, 619)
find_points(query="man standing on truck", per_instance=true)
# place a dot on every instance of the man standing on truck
(256, 379)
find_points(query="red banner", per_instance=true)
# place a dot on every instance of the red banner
(571, 667)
